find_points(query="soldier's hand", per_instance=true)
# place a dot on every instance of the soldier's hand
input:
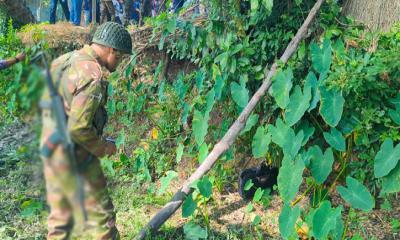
(111, 148)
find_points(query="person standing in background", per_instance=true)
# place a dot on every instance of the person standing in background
(107, 11)
(128, 11)
(76, 11)
(89, 10)
(53, 10)
(119, 11)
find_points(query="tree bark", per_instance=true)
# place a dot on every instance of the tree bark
(376, 14)
(169, 209)
(17, 10)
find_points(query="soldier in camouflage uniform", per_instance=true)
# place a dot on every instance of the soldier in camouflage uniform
(78, 77)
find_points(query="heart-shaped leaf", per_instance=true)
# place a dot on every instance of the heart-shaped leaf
(298, 105)
(287, 220)
(395, 115)
(321, 57)
(289, 178)
(251, 122)
(293, 144)
(280, 132)
(390, 183)
(205, 187)
(307, 130)
(260, 143)
(331, 108)
(203, 152)
(188, 206)
(321, 164)
(324, 220)
(335, 140)
(210, 100)
(281, 86)
(200, 126)
(240, 94)
(194, 232)
(356, 194)
(165, 181)
(312, 83)
(386, 159)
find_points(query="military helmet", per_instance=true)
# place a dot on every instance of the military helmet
(113, 35)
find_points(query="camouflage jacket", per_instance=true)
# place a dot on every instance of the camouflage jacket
(78, 78)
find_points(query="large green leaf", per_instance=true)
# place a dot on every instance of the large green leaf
(293, 144)
(203, 152)
(307, 129)
(391, 182)
(280, 132)
(166, 180)
(321, 57)
(335, 140)
(281, 86)
(386, 159)
(331, 108)
(260, 143)
(188, 206)
(289, 178)
(298, 105)
(240, 94)
(210, 100)
(287, 220)
(179, 153)
(251, 122)
(200, 126)
(356, 194)
(205, 187)
(395, 115)
(312, 82)
(324, 220)
(219, 85)
(194, 232)
(321, 164)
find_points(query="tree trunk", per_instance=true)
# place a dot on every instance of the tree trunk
(376, 14)
(17, 10)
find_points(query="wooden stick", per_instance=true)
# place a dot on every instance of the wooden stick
(166, 212)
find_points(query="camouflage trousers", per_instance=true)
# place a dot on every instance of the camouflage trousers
(63, 211)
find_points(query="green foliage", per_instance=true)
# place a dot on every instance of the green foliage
(200, 126)
(386, 159)
(331, 108)
(326, 220)
(390, 183)
(287, 221)
(289, 178)
(321, 57)
(321, 164)
(194, 232)
(188, 206)
(20, 85)
(335, 139)
(281, 86)
(356, 194)
(205, 187)
(165, 181)
(299, 103)
(260, 143)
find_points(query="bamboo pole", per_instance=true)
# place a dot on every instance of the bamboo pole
(169, 209)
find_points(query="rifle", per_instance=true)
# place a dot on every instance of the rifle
(61, 135)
